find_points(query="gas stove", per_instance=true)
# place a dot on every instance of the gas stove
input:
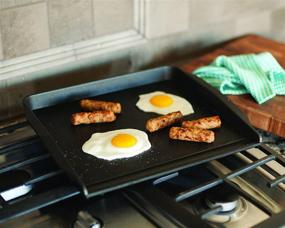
(244, 189)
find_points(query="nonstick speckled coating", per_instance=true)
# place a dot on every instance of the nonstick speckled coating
(91, 171)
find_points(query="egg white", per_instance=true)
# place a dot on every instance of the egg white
(179, 104)
(100, 146)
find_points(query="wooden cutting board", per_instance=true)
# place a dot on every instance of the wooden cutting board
(269, 116)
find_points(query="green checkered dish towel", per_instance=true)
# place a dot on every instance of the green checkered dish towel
(257, 74)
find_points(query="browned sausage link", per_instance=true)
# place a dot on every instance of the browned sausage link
(92, 105)
(163, 121)
(92, 117)
(192, 134)
(204, 123)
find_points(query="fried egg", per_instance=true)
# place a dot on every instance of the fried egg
(123, 143)
(163, 103)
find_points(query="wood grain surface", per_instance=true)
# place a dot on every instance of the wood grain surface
(269, 116)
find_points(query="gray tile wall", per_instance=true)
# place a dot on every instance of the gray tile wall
(277, 24)
(28, 26)
(173, 29)
(14, 3)
(1, 49)
(166, 16)
(70, 21)
(113, 16)
(24, 30)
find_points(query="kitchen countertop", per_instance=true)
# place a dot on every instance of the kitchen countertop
(270, 116)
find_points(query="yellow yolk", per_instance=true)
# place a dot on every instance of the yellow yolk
(124, 140)
(161, 101)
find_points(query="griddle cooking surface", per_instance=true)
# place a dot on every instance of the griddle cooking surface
(94, 175)
(93, 170)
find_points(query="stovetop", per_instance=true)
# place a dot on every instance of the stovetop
(244, 189)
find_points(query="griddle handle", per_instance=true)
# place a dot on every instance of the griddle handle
(221, 97)
(207, 88)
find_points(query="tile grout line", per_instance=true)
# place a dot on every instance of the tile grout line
(1, 39)
(22, 5)
(48, 23)
(93, 18)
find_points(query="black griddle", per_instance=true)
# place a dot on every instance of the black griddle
(49, 114)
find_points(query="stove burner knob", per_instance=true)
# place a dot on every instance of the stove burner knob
(85, 220)
(225, 206)
(222, 196)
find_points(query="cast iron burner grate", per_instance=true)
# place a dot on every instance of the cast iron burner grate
(147, 196)
(29, 178)
(26, 160)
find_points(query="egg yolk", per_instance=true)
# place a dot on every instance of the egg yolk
(161, 101)
(124, 140)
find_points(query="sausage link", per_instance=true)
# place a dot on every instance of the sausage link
(92, 117)
(163, 121)
(192, 134)
(204, 123)
(92, 105)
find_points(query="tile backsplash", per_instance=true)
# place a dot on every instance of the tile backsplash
(69, 21)
(42, 40)
(24, 30)
(112, 16)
